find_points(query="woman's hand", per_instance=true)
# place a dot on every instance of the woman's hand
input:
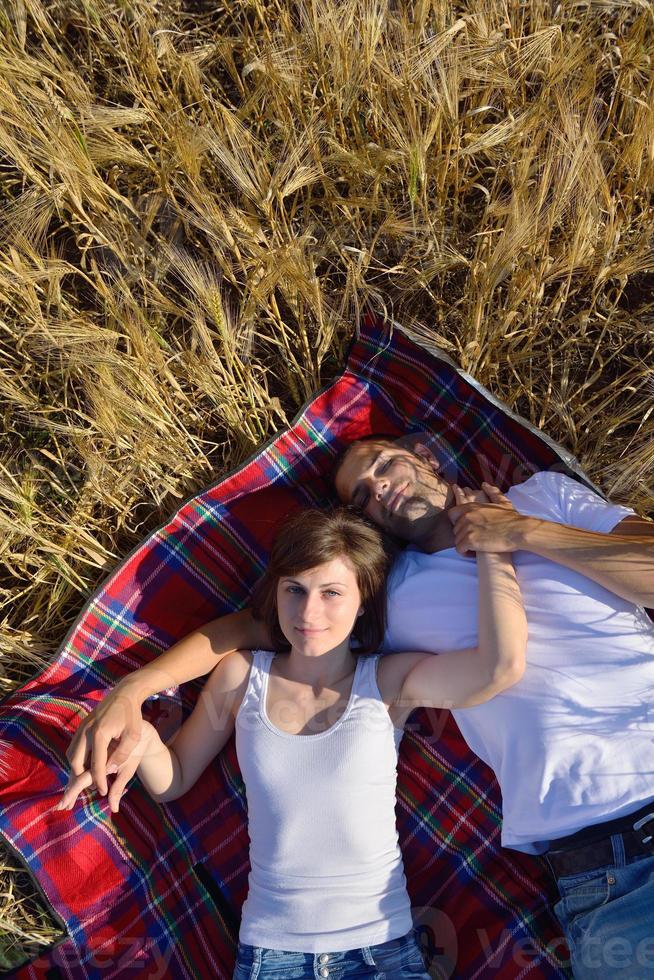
(493, 525)
(115, 723)
(124, 773)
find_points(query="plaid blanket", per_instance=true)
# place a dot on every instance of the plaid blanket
(158, 888)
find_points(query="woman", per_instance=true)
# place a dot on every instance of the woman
(318, 725)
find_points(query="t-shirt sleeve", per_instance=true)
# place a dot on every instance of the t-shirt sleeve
(581, 507)
(395, 578)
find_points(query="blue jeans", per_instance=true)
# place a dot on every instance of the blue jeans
(607, 916)
(398, 959)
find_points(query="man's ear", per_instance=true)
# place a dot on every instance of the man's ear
(425, 453)
(415, 443)
(435, 451)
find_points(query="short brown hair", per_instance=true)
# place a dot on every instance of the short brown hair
(340, 457)
(311, 537)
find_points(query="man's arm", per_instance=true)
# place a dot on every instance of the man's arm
(621, 561)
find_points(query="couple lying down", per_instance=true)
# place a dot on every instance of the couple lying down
(551, 571)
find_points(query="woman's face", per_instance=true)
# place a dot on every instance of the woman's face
(317, 608)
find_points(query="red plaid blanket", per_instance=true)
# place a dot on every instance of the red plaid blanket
(158, 888)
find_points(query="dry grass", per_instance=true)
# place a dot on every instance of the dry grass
(197, 203)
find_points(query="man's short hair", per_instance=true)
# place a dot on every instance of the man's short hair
(371, 437)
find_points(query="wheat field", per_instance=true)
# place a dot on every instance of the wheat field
(196, 202)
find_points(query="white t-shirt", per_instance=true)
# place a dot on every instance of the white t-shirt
(572, 743)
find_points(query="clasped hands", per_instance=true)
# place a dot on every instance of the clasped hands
(489, 522)
(128, 750)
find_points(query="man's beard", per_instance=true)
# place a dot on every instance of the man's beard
(417, 515)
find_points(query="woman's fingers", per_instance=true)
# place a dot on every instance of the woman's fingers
(466, 495)
(118, 788)
(121, 752)
(81, 753)
(119, 720)
(85, 780)
(109, 751)
(494, 493)
(127, 769)
(461, 543)
(75, 786)
(99, 760)
(117, 716)
(462, 495)
(79, 749)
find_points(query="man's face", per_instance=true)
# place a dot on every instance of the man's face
(397, 489)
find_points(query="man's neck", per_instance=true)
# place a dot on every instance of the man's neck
(439, 538)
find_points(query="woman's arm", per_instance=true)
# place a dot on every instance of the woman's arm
(197, 654)
(117, 718)
(463, 678)
(168, 771)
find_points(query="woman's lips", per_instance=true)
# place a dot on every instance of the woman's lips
(308, 632)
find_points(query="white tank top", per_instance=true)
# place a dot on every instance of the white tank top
(326, 867)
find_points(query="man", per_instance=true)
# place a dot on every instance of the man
(572, 744)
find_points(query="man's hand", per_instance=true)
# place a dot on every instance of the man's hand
(85, 779)
(494, 526)
(116, 724)
(464, 496)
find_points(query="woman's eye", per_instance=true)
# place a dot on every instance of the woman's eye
(331, 592)
(385, 465)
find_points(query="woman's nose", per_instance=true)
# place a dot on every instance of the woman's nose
(309, 606)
